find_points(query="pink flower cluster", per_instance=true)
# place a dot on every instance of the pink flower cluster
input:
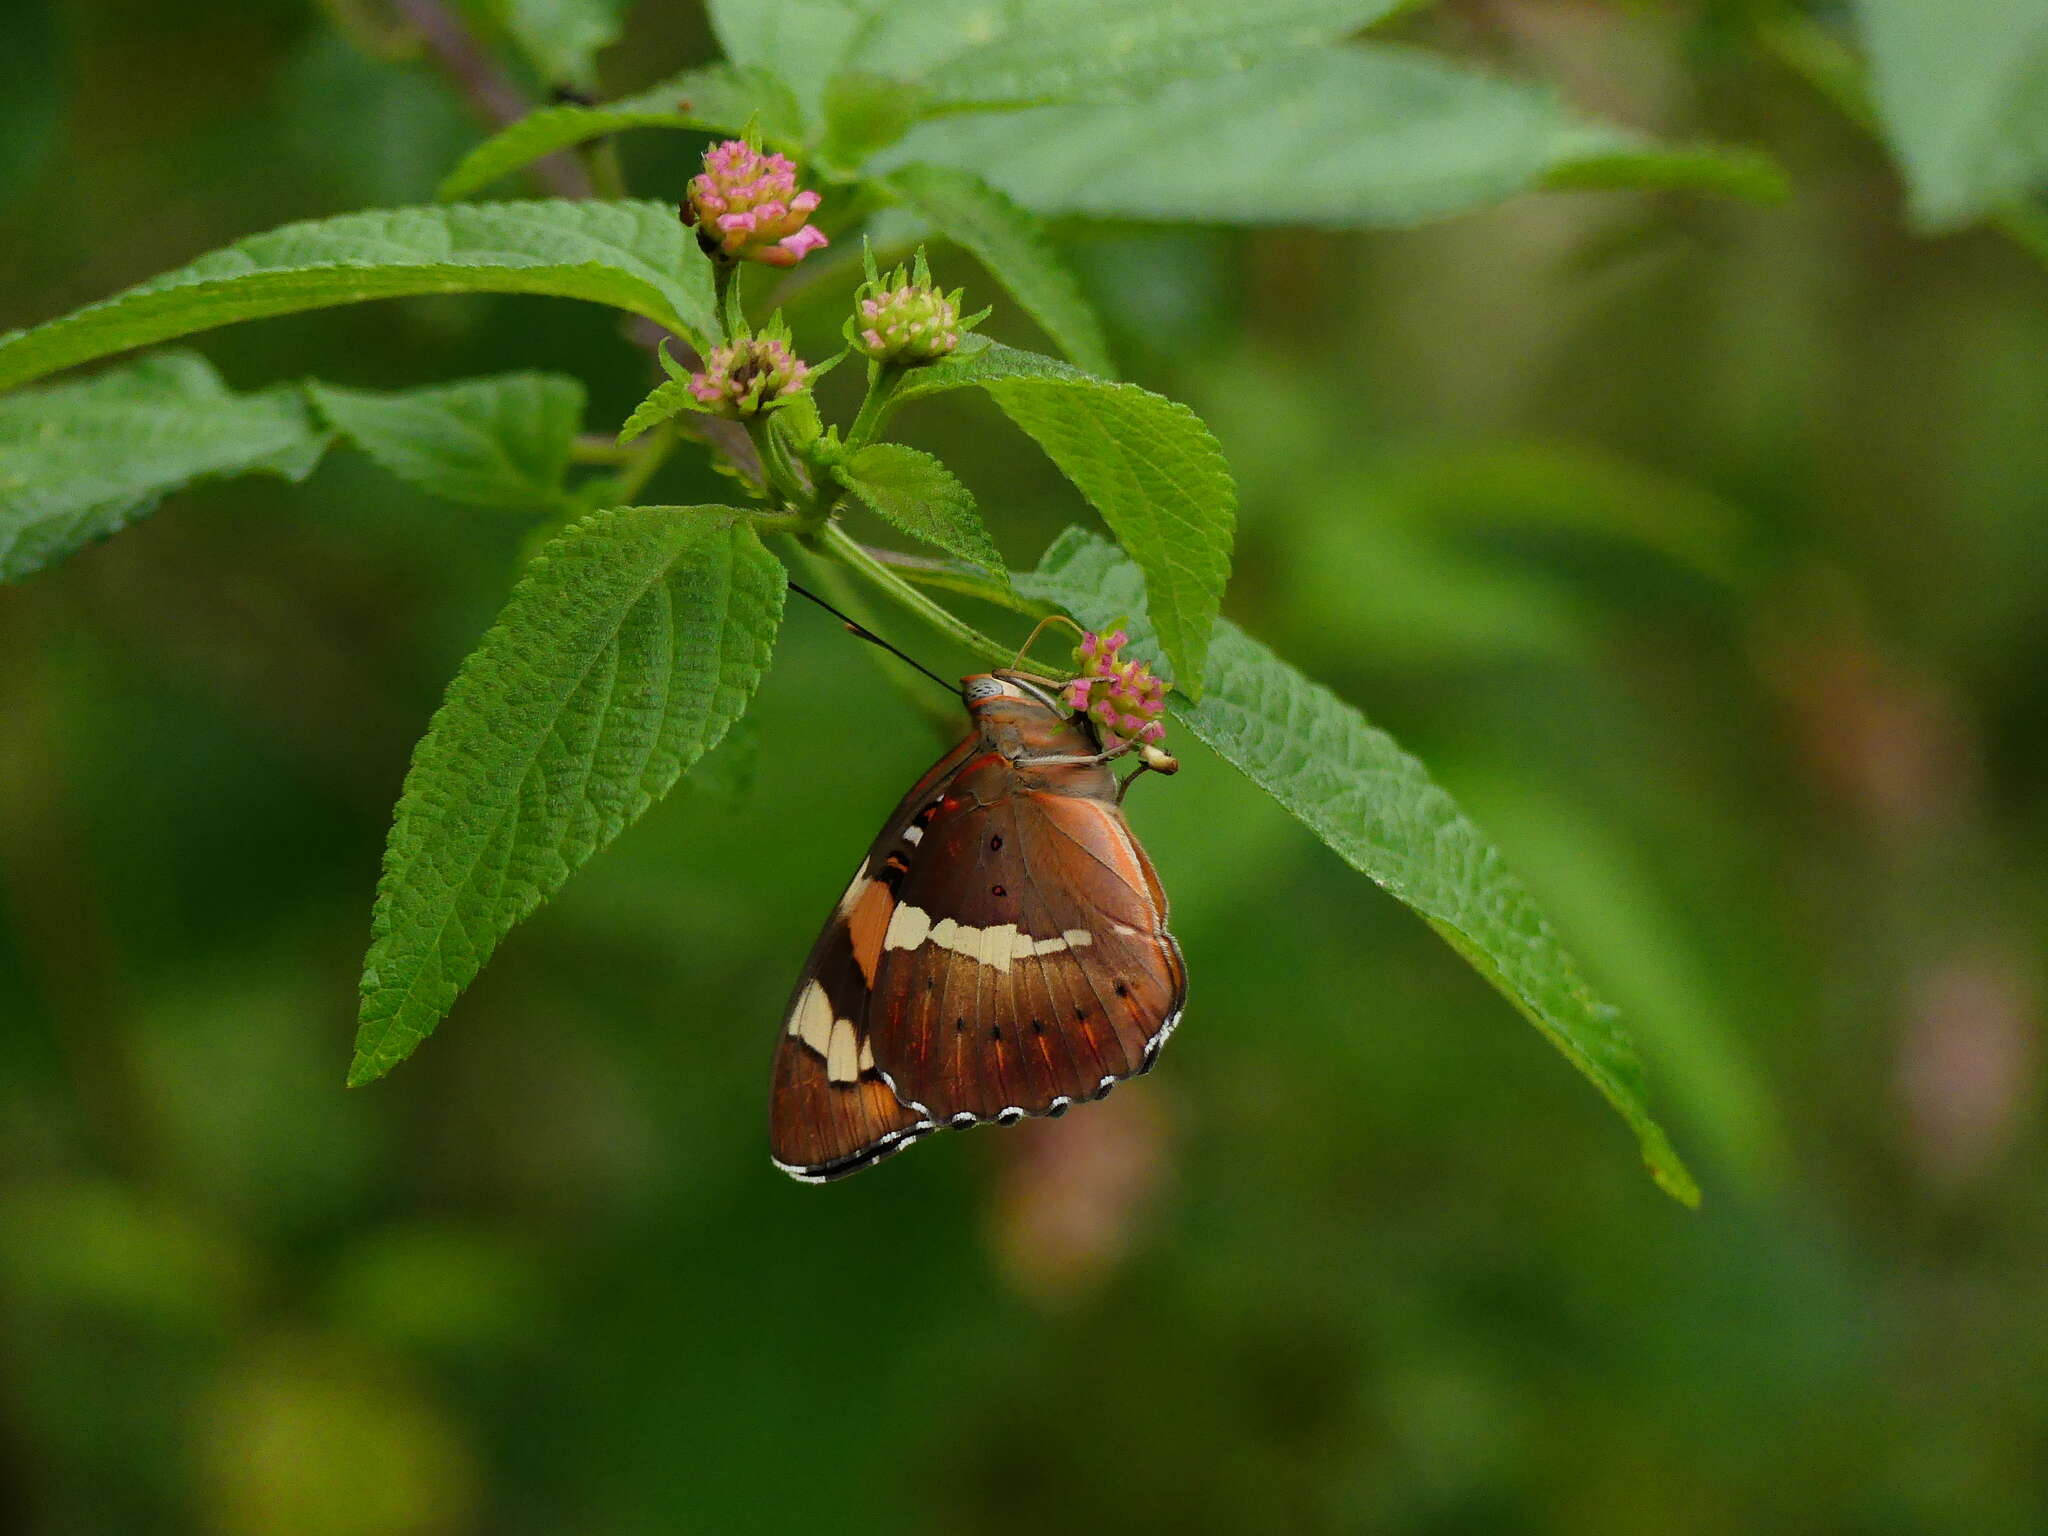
(1123, 697)
(746, 206)
(914, 321)
(740, 378)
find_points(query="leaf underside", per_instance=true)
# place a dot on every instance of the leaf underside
(1377, 807)
(921, 496)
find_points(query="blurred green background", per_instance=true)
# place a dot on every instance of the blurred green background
(1698, 547)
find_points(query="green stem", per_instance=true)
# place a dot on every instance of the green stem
(784, 483)
(850, 552)
(594, 448)
(882, 381)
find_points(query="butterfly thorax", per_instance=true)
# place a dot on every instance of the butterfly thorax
(1023, 723)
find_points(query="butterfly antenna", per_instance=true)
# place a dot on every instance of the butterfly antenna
(855, 627)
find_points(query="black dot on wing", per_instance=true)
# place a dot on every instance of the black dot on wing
(997, 890)
(1123, 989)
(1080, 1012)
(959, 1026)
(1038, 1026)
(995, 1031)
(995, 843)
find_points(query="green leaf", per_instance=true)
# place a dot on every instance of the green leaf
(921, 496)
(1355, 135)
(1157, 476)
(632, 643)
(495, 442)
(979, 363)
(1593, 156)
(801, 42)
(669, 398)
(81, 461)
(632, 255)
(561, 38)
(715, 100)
(1378, 808)
(1011, 244)
(970, 53)
(1961, 89)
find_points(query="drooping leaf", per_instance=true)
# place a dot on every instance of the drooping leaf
(81, 461)
(1961, 90)
(971, 53)
(1371, 134)
(561, 38)
(494, 442)
(632, 255)
(1378, 808)
(715, 100)
(921, 496)
(1012, 245)
(631, 644)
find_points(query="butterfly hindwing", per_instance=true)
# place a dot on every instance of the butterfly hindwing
(830, 1113)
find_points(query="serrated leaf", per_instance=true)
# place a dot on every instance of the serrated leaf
(1371, 134)
(971, 53)
(492, 442)
(921, 496)
(1378, 808)
(980, 362)
(81, 461)
(668, 399)
(1012, 245)
(632, 643)
(1961, 90)
(632, 255)
(1146, 463)
(715, 100)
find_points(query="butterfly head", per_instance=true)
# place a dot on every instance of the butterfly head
(1011, 693)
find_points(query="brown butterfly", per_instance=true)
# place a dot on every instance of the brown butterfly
(1002, 951)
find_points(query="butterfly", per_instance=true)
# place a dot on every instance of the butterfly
(1001, 952)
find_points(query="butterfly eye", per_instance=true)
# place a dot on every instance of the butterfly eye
(980, 688)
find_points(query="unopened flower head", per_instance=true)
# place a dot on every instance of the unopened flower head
(1121, 696)
(746, 207)
(905, 317)
(748, 375)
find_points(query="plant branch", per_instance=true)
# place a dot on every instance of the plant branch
(849, 551)
(495, 96)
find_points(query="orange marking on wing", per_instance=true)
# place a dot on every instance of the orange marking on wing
(868, 925)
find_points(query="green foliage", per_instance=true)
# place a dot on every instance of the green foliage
(561, 38)
(971, 54)
(718, 100)
(1158, 478)
(81, 461)
(633, 642)
(632, 255)
(667, 400)
(496, 442)
(1592, 156)
(800, 42)
(1012, 245)
(1378, 808)
(1369, 134)
(1961, 88)
(922, 497)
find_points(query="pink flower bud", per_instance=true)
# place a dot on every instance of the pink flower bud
(1122, 696)
(746, 207)
(742, 377)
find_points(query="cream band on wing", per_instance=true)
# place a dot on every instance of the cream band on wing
(911, 927)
